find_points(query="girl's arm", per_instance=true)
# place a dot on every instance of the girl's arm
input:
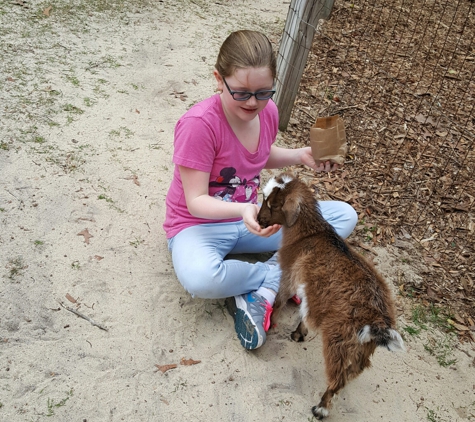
(201, 204)
(283, 157)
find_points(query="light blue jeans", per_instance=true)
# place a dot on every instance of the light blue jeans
(198, 254)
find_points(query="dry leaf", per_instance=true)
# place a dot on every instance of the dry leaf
(189, 362)
(70, 298)
(367, 248)
(432, 293)
(165, 368)
(424, 119)
(459, 319)
(86, 235)
(422, 92)
(181, 95)
(458, 327)
(134, 178)
(47, 11)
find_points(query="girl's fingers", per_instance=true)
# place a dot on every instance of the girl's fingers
(269, 231)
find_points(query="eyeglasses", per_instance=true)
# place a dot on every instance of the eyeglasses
(244, 95)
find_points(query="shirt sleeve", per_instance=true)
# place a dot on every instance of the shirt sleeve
(195, 144)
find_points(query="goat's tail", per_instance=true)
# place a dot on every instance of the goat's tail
(382, 336)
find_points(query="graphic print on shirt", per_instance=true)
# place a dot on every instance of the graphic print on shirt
(235, 189)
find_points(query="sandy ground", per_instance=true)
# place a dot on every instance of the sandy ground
(89, 95)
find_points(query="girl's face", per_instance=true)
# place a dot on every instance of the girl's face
(250, 80)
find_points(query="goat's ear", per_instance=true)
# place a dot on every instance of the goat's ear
(291, 209)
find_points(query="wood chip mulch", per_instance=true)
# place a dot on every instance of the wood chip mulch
(402, 77)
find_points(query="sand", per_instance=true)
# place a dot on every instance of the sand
(90, 93)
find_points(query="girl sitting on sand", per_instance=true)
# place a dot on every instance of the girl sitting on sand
(221, 145)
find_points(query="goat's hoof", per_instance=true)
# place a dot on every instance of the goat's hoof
(299, 337)
(319, 412)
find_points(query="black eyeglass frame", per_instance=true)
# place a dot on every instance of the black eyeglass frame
(250, 94)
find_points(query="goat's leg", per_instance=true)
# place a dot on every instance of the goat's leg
(362, 361)
(276, 308)
(280, 301)
(300, 333)
(336, 370)
(283, 295)
(322, 409)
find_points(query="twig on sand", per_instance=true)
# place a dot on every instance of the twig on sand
(79, 314)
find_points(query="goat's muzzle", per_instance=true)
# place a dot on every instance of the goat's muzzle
(264, 216)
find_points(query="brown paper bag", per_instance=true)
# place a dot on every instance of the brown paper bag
(328, 140)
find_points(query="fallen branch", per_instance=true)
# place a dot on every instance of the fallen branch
(79, 314)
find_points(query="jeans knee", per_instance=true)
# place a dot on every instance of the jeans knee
(198, 281)
(349, 219)
(352, 216)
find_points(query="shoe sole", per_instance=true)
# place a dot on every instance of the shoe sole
(247, 332)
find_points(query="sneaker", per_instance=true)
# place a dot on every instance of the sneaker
(251, 313)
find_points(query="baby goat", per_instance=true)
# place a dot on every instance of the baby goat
(341, 293)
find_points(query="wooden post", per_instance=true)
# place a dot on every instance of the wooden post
(300, 25)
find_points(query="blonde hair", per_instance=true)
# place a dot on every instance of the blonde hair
(244, 49)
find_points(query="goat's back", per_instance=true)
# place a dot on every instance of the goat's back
(337, 282)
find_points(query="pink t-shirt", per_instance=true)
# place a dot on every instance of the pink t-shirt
(205, 141)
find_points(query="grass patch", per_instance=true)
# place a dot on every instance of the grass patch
(73, 109)
(136, 242)
(112, 205)
(442, 350)
(15, 267)
(122, 131)
(441, 336)
(105, 198)
(69, 162)
(73, 79)
(432, 315)
(89, 102)
(412, 331)
(52, 405)
(180, 385)
(432, 416)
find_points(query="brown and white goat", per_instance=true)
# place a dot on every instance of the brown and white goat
(342, 295)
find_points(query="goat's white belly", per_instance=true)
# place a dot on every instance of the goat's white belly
(304, 305)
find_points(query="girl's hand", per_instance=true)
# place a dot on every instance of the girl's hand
(308, 160)
(249, 217)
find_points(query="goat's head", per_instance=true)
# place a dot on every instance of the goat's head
(281, 204)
